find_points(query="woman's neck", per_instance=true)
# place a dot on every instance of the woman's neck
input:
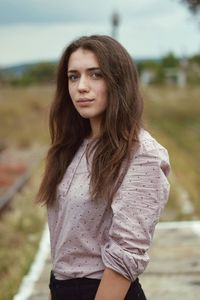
(95, 128)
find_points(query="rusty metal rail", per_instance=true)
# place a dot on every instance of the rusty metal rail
(14, 188)
(35, 155)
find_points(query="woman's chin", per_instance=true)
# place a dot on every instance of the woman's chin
(85, 116)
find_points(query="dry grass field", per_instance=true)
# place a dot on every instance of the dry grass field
(21, 226)
(172, 115)
(24, 115)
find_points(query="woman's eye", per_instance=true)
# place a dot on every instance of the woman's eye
(96, 75)
(72, 77)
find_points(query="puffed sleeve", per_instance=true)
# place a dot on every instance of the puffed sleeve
(136, 210)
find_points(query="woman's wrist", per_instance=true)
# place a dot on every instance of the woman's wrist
(113, 286)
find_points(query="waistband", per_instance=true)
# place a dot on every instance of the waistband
(72, 281)
(80, 280)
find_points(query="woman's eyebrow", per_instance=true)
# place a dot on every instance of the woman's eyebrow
(89, 69)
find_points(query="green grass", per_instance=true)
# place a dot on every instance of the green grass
(24, 123)
(21, 225)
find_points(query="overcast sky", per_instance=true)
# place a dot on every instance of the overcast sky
(36, 30)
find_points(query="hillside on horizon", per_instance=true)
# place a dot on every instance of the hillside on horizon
(19, 69)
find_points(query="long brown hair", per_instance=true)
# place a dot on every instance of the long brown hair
(120, 123)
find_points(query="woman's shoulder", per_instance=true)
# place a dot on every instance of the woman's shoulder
(149, 150)
(148, 143)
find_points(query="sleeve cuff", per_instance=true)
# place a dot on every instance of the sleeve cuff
(129, 265)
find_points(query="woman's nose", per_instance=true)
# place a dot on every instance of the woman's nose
(83, 84)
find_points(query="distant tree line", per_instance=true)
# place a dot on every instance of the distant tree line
(41, 73)
(45, 73)
(171, 64)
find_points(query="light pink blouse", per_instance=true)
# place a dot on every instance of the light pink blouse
(86, 236)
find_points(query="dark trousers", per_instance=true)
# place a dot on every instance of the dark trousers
(86, 288)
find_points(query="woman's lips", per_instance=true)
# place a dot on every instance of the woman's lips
(84, 101)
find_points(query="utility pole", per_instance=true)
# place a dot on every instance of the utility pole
(115, 19)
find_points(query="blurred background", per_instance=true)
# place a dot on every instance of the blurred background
(163, 37)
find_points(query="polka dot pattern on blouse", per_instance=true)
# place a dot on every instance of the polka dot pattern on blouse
(86, 236)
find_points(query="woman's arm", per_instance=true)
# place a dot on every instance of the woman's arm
(136, 209)
(113, 286)
(49, 297)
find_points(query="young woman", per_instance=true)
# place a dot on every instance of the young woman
(105, 181)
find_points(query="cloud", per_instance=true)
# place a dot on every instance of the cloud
(51, 11)
(34, 30)
(29, 43)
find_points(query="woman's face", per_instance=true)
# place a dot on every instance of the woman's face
(86, 84)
